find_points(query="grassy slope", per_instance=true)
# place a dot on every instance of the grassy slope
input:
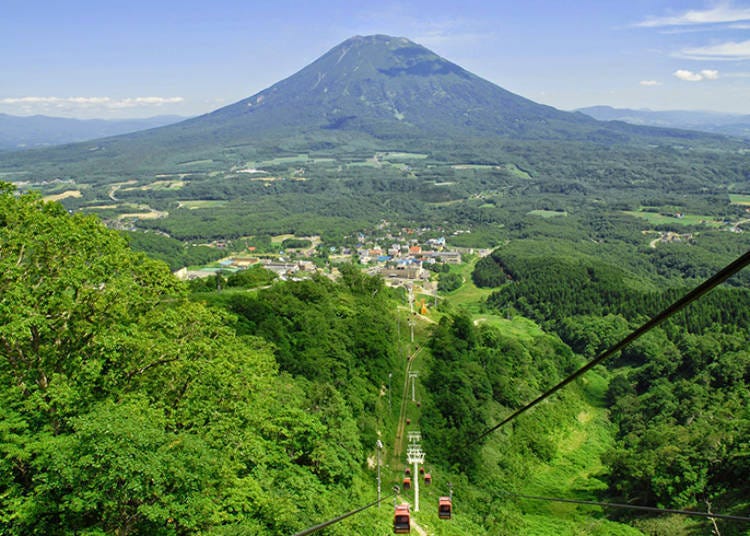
(468, 296)
(572, 473)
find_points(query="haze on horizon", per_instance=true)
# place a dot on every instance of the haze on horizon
(141, 59)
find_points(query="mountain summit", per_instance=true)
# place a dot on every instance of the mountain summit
(368, 93)
(392, 87)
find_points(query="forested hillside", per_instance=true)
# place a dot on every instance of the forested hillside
(129, 409)
(678, 396)
(131, 405)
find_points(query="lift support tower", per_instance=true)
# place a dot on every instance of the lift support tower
(415, 455)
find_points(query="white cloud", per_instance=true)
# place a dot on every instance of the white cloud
(650, 83)
(723, 51)
(722, 13)
(104, 102)
(85, 101)
(690, 76)
(146, 101)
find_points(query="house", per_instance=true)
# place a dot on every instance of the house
(404, 269)
(437, 243)
(282, 269)
(450, 257)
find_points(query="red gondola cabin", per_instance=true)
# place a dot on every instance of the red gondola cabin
(427, 479)
(406, 484)
(402, 520)
(445, 507)
(407, 471)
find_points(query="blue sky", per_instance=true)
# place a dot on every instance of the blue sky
(109, 58)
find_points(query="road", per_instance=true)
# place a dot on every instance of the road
(116, 186)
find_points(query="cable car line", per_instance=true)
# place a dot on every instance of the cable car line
(635, 507)
(699, 291)
(325, 524)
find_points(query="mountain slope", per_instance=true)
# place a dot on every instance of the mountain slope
(373, 92)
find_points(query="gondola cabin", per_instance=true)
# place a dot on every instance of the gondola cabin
(402, 520)
(407, 471)
(408, 421)
(406, 484)
(427, 479)
(421, 470)
(445, 507)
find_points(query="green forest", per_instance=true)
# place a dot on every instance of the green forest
(128, 408)
(133, 403)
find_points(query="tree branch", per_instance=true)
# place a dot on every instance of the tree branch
(150, 365)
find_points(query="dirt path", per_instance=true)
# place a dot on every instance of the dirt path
(425, 318)
(417, 528)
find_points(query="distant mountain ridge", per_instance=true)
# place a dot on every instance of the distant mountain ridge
(368, 93)
(21, 132)
(714, 122)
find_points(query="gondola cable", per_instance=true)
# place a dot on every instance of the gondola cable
(325, 524)
(634, 507)
(708, 285)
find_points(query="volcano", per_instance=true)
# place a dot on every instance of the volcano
(368, 93)
(390, 87)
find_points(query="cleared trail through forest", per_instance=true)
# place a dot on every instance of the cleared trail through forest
(398, 447)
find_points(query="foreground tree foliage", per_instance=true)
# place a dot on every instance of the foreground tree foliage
(127, 409)
(338, 335)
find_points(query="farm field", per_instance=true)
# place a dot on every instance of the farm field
(739, 199)
(685, 219)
